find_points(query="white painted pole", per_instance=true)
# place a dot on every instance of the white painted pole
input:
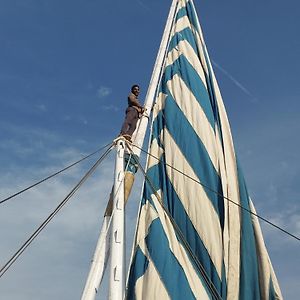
(98, 263)
(117, 257)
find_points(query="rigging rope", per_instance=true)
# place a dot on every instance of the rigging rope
(201, 269)
(220, 195)
(53, 175)
(52, 215)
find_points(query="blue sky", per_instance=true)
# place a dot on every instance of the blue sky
(65, 71)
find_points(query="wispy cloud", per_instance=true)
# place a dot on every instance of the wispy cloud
(143, 5)
(83, 120)
(66, 118)
(110, 107)
(42, 107)
(103, 92)
(33, 148)
(288, 219)
(67, 243)
(235, 81)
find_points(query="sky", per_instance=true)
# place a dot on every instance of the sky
(66, 68)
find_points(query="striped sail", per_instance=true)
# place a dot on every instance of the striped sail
(191, 241)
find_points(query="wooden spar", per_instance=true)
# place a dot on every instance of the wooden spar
(102, 250)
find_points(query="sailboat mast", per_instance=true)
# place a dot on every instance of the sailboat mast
(102, 251)
(117, 261)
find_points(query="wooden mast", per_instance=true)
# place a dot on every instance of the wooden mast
(102, 249)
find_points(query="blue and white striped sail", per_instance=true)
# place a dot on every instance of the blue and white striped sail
(191, 242)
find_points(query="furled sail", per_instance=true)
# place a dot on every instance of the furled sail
(192, 241)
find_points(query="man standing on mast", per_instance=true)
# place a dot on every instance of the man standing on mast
(133, 113)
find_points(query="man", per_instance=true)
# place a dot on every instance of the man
(133, 113)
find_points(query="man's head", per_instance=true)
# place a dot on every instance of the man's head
(135, 89)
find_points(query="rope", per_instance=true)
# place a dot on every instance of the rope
(207, 279)
(220, 195)
(53, 175)
(52, 215)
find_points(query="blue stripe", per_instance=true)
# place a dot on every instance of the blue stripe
(211, 89)
(138, 268)
(249, 276)
(166, 264)
(156, 130)
(224, 285)
(147, 193)
(173, 204)
(191, 78)
(181, 13)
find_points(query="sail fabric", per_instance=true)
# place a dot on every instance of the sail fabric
(191, 241)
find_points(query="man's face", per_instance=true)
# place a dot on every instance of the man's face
(136, 90)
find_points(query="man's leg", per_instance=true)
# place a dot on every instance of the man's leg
(126, 123)
(133, 120)
(129, 122)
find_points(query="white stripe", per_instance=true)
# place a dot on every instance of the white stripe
(155, 149)
(195, 116)
(184, 48)
(262, 259)
(264, 264)
(201, 48)
(181, 24)
(224, 182)
(195, 201)
(156, 153)
(159, 104)
(150, 286)
(147, 215)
